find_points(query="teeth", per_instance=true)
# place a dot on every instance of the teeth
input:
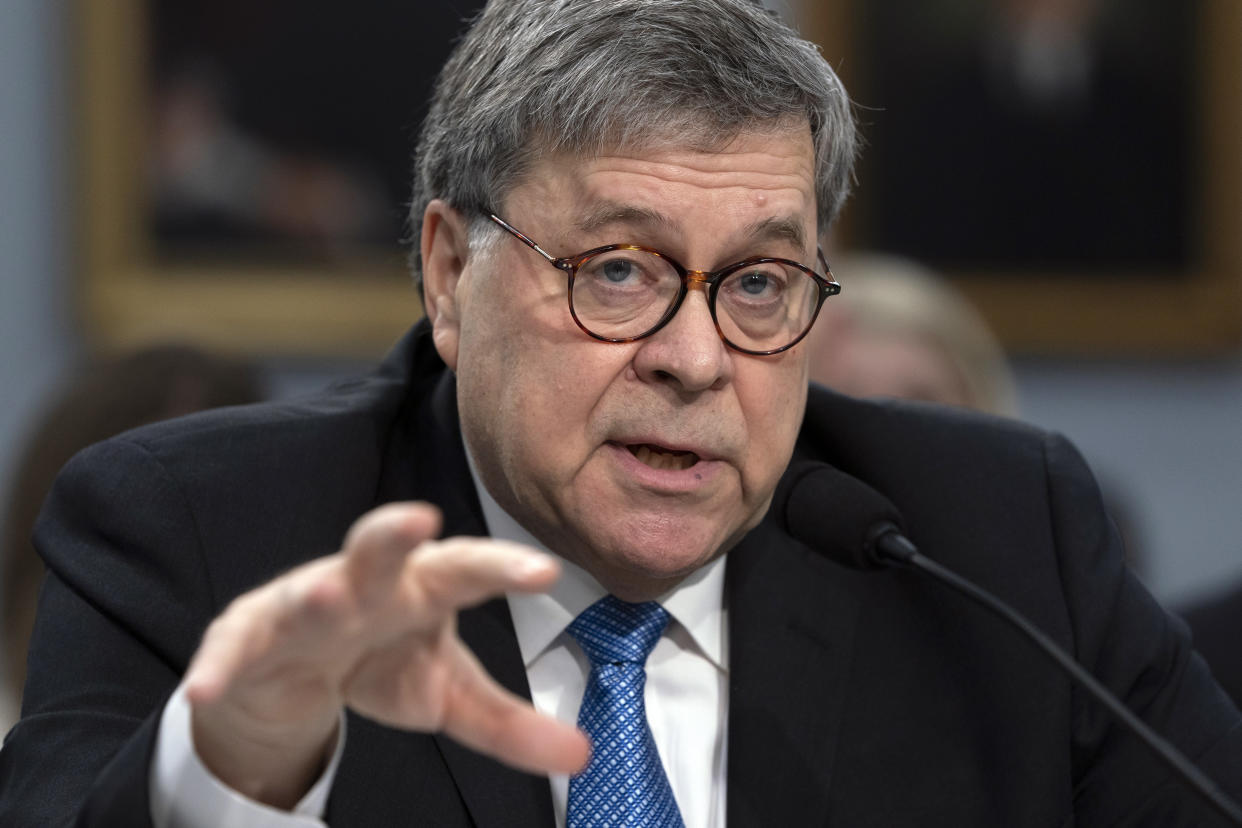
(664, 460)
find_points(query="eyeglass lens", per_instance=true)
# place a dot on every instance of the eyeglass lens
(623, 294)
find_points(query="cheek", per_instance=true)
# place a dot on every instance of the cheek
(773, 403)
(532, 397)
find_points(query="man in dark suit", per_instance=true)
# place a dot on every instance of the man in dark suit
(631, 417)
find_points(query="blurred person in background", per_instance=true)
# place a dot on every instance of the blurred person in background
(900, 330)
(114, 395)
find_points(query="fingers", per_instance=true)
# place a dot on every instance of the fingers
(214, 664)
(393, 545)
(374, 627)
(388, 581)
(489, 719)
(271, 621)
(377, 544)
(446, 576)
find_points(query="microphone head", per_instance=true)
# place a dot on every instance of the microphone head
(835, 514)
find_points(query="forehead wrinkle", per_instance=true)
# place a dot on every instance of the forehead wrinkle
(606, 213)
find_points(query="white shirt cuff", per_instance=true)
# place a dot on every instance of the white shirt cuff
(185, 794)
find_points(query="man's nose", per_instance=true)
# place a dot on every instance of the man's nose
(688, 351)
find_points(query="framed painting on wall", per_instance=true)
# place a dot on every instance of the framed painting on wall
(245, 167)
(1074, 165)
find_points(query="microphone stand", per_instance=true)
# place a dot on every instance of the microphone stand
(893, 548)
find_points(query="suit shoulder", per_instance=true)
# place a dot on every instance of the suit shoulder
(947, 468)
(919, 432)
(249, 490)
(366, 403)
(353, 414)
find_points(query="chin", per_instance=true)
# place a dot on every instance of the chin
(651, 558)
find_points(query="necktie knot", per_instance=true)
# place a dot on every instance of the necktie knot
(612, 631)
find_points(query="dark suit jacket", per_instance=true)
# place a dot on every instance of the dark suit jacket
(1216, 624)
(856, 699)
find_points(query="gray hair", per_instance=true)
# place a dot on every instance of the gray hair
(581, 76)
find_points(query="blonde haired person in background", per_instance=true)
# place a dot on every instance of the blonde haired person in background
(900, 330)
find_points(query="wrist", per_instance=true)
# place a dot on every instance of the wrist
(275, 766)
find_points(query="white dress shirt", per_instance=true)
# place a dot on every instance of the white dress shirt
(687, 673)
(686, 698)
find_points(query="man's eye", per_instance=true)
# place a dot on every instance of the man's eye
(754, 283)
(618, 270)
(759, 284)
(622, 269)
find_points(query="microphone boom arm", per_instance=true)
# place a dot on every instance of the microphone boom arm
(888, 546)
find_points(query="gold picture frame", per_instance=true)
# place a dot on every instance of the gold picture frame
(128, 295)
(1193, 312)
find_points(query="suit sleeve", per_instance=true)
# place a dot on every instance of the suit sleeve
(122, 608)
(1123, 636)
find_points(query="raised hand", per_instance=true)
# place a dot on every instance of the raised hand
(372, 627)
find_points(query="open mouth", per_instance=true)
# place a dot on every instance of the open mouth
(661, 458)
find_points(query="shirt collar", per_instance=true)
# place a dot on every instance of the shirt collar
(697, 603)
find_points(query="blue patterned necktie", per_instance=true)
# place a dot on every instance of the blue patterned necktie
(625, 784)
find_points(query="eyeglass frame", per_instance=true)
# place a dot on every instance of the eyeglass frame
(711, 280)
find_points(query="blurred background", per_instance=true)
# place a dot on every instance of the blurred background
(213, 173)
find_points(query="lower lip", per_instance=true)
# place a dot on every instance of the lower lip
(672, 481)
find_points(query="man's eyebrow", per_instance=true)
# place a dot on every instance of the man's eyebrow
(779, 228)
(611, 212)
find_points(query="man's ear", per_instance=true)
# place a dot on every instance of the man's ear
(445, 248)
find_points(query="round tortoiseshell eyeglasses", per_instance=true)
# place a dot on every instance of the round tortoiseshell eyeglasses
(624, 292)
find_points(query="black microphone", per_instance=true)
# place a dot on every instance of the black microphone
(854, 525)
(865, 530)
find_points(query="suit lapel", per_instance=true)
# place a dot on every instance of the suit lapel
(496, 794)
(792, 621)
(427, 461)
